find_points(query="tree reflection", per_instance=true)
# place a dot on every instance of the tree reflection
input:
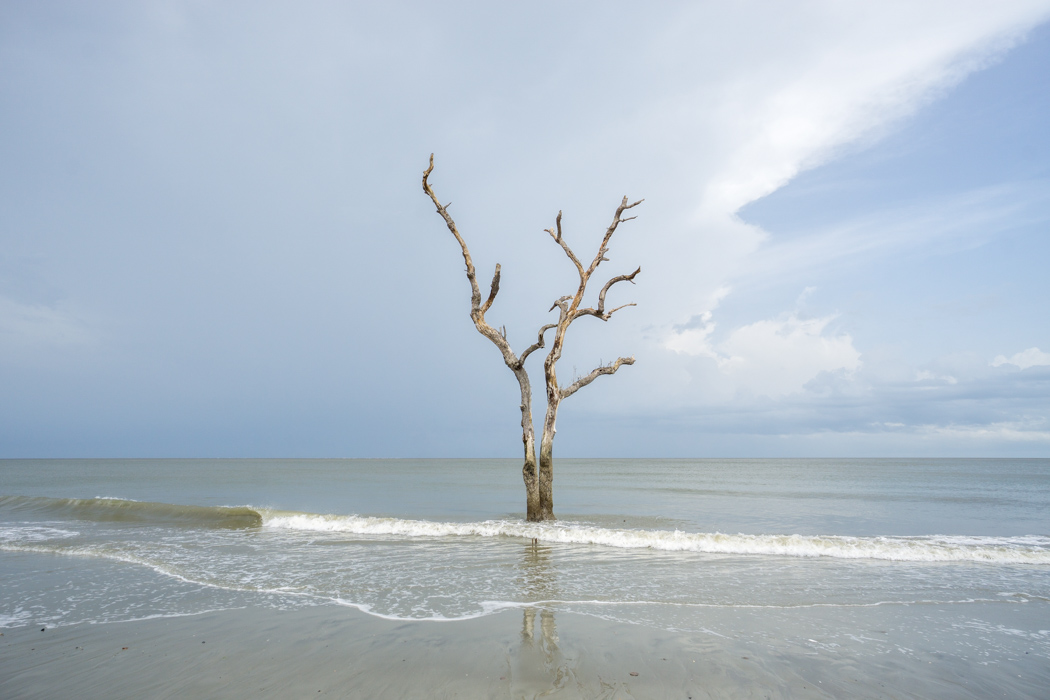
(540, 663)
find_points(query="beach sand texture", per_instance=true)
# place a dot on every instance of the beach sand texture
(335, 652)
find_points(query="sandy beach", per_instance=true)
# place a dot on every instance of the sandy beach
(337, 652)
(329, 651)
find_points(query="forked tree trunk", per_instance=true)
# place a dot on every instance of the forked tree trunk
(539, 477)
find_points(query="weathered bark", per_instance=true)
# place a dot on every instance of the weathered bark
(539, 477)
(529, 472)
(546, 476)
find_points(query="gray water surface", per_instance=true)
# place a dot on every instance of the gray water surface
(878, 561)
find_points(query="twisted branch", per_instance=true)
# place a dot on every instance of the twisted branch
(600, 311)
(565, 246)
(570, 310)
(477, 309)
(617, 220)
(538, 344)
(594, 374)
(475, 293)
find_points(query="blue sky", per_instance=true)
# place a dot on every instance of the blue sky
(213, 241)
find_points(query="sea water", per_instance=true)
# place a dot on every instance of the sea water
(900, 562)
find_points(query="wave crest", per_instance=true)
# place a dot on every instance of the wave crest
(932, 548)
(123, 510)
(1030, 549)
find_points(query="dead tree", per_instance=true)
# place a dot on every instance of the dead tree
(539, 477)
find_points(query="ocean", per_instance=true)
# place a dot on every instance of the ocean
(939, 568)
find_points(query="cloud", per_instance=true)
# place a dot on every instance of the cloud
(852, 82)
(1032, 357)
(935, 226)
(998, 431)
(232, 190)
(830, 84)
(925, 375)
(1013, 431)
(772, 357)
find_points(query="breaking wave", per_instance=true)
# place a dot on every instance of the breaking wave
(123, 510)
(1031, 549)
(933, 548)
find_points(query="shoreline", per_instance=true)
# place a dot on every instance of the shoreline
(333, 651)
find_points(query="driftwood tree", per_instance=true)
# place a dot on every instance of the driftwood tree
(539, 476)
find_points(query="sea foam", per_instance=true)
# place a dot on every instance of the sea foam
(1027, 549)
(933, 548)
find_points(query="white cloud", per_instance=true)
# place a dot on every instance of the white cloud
(699, 107)
(772, 357)
(858, 75)
(995, 438)
(927, 376)
(692, 338)
(831, 77)
(1015, 431)
(1032, 357)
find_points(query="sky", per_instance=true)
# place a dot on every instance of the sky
(214, 243)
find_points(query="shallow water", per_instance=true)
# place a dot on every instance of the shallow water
(859, 559)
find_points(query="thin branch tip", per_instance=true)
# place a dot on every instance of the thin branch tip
(426, 174)
(493, 291)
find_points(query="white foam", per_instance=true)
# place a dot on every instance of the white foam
(33, 533)
(487, 608)
(17, 619)
(1029, 549)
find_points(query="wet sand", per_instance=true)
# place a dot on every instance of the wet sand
(330, 651)
(338, 652)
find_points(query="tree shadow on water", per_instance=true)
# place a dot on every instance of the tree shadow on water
(539, 669)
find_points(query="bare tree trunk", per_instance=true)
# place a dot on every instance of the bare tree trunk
(550, 420)
(529, 472)
(546, 477)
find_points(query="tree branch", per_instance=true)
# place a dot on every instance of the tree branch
(600, 311)
(601, 316)
(538, 344)
(610, 283)
(556, 235)
(475, 293)
(570, 311)
(477, 310)
(493, 291)
(560, 304)
(617, 220)
(595, 373)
